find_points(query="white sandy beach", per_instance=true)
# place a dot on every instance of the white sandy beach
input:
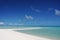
(9, 34)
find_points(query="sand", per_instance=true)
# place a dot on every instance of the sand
(9, 34)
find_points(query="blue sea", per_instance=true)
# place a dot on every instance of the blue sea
(48, 32)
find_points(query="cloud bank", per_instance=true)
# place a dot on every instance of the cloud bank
(2, 23)
(57, 12)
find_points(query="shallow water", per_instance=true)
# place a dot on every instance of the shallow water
(49, 32)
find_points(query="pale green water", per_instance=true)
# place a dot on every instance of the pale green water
(49, 32)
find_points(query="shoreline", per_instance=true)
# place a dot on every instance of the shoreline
(9, 34)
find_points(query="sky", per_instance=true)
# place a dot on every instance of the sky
(30, 12)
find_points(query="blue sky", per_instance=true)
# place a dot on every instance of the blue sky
(30, 12)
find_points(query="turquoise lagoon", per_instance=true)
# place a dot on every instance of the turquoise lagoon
(48, 32)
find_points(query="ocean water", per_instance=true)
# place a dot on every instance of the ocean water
(12, 26)
(48, 32)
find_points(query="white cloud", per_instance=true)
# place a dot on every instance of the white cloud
(50, 9)
(28, 17)
(36, 10)
(57, 12)
(2, 23)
